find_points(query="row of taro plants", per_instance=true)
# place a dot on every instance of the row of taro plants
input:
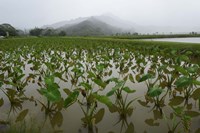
(62, 76)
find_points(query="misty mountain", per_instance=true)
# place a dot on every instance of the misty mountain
(108, 24)
(89, 27)
(95, 25)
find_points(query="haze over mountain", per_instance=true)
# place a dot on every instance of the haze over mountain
(148, 15)
(108, 24)
(94, 25)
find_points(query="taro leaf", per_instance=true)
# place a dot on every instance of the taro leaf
(130, 128)
(57, 119)
(151, 122)
(137, 77)
(100, 83)
(99, 115)
(22, 115)
(1, 102)
(184, 58)
(100, 67)
(128, 90)
(183, 81)
(196, 82)
(192, 69)
(145, 77)
(71, 99)
(20, 77)
(181, 70)
(155, 91)
(117, 87)
(52, 94)
(49, 80)
(178, 110)
(131, 78)
(192, 113)
(103, 99)
(67, 91)
(196, 94)
(176, 101)
(157, 114)
(91, 75)
(86, 86)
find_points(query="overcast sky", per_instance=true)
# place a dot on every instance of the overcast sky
(31, 13)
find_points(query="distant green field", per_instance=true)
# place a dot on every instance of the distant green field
(156, 36)
(92, 41)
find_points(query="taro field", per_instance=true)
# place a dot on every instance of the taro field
(96, 85)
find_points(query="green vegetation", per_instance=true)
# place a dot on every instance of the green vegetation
(97, 83)
(150, 36)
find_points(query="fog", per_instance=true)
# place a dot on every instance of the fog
(35, 13)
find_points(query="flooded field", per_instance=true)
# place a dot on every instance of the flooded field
(97, 87)
(185, 40)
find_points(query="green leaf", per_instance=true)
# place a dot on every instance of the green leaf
(176, 101)
(52, 95)
(100, 83)
(183, 81)
(99, 115)
(91, 75)
(86, 85)
(117, 86)
(178, 110)
(22, 115)
(130, 128)
(20, 77)
(49, 80)
(71, 99)
(100, 67)
(196, 94)
(1, 102)
(192, 113)
(181, 70)
(128, 90)
(155, 91)
(196, 82)
(192, 69)
(145, 77)
(131, 78)
(103, 99)
(67, 91)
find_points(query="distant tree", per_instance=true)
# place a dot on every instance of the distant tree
(62, 33)
(7, 29)
(48, 32)
(36, 32)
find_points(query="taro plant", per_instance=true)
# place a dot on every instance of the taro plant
(154, 93)
(51, 93)
(122, 105)
(91, 117)
(184, 120)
